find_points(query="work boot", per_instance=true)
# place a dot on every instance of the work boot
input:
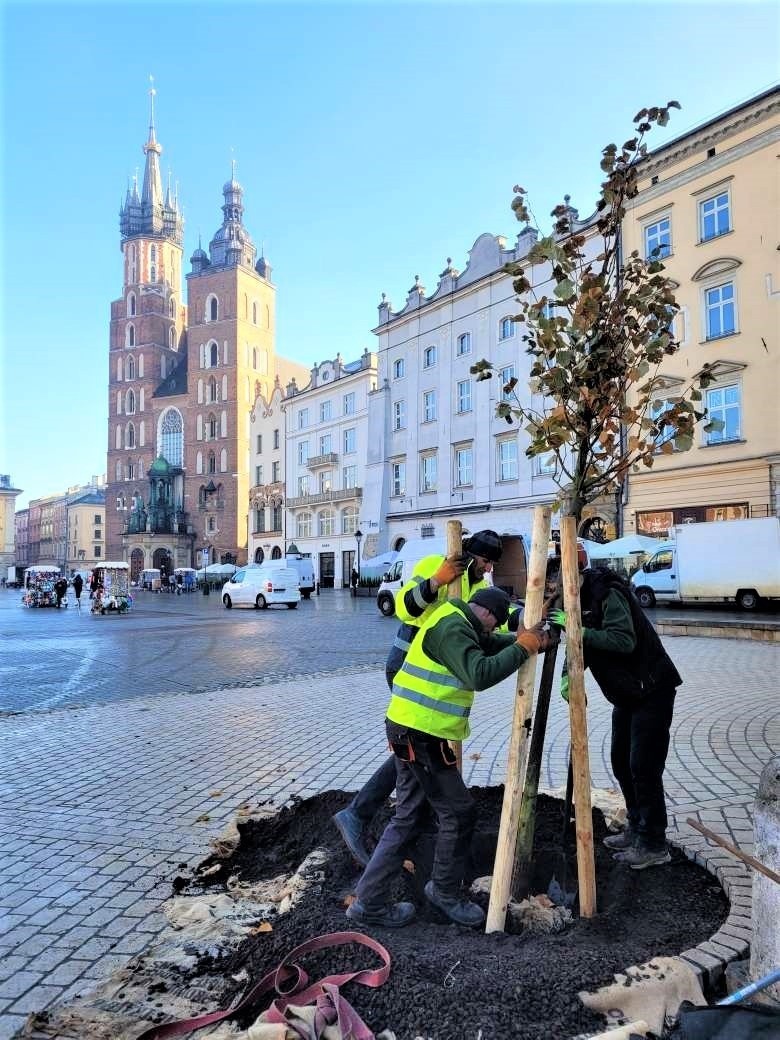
(350, 828)
(641, 855)
(622, 840)
(396, 915)
(461, 911)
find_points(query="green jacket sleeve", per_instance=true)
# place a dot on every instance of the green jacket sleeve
(616, 634)
(454, 642)
(416, 596)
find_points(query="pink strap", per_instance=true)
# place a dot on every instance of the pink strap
(291, 984)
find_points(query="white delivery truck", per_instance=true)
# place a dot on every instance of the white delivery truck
(305, 569)
(714, 562)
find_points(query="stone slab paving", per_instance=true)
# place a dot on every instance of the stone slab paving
(101, 806)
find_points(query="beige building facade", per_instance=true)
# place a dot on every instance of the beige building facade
(708, 204)
(86, 531)
(8, 495)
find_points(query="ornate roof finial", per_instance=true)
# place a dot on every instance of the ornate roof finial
(152, 94)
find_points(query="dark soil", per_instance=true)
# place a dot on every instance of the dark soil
(448, 983)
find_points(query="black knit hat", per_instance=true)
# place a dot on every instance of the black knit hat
(494, 600)
(486, 544)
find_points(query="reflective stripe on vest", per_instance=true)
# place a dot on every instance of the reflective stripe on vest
(401, 644)
(426, 696)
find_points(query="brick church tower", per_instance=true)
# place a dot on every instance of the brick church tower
(183, 380)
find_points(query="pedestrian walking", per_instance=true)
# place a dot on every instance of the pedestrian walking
(639, 679)
(414, 603)
(78, 585)
(60, 590)
(354, 578)
(455, 653)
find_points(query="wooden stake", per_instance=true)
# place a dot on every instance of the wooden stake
(501, 887)
(586, 870)
(454, 591)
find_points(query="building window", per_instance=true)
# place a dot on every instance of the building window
(213, 391)
(350, 441)
(398, 471)
(303, 453)
(172, 338)
(399, 415)
(258, 474)
(463, 396)
(212, 309)
(429, 357)
(303, 484)
(212, 524)
(130, 403)
(98, 519)
(349, 521)
(429, 406)
(720, 310)
(399, 368)
(464, 467)
(130, 368)
(723, 403)
(325, 411)
(259, 554)
(506, 328)
(428, 472)
(507, 374)
(131, 335)
(658, 239)
(131, 305)
(276, 518)
(276, 472)
(211, 427)
(349, 477)
(303, 418)
(464, 344)
(130, 436)
(260, 520)
(98, 552)
(326, 444)
(349, 404)
(714, 216)
(254, 313)
(259, 444)
(507, 460)
(212, 463)
(325, 481)
(130, 472)
(303, 525)
(276, 439)
(546, 465)
(666, 432)
(325, 523)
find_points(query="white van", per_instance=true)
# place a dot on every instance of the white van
(305, 568)
(262, 586)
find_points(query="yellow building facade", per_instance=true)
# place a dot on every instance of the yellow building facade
(86, 531)
(708, 207)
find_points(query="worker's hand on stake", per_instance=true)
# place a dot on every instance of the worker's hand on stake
(450, 569)
(558, 618)
(533, 640)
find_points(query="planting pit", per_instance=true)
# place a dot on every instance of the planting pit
(446, 982)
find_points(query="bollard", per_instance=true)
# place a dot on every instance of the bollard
(765, 947)
(318, 588)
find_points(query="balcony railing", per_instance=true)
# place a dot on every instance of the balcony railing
(323, 497)
(318, 461)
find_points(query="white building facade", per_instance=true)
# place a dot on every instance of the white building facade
(267, 495)
(326, 450)
(436, 450)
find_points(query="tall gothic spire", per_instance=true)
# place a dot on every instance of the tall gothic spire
(232, 244)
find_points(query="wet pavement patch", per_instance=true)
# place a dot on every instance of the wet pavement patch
(448, 983)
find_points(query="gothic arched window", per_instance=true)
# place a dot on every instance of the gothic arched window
(131, 305)
(171, 439)
(130, 368)
(130, 335)
(130, 402)
(213, 355)
(213, 393)
(213, 309)
(130, 436)
(153, 264)
(211, 427)
(212, 462)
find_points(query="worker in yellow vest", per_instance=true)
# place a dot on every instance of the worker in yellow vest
(455, 653)
(414, 603)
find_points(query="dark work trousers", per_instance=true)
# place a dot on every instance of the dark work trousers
(640, 743)
(424, 784)
(378, 788)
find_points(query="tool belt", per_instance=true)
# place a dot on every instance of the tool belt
(439, 752)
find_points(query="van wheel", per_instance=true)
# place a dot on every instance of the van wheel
(227, 601)
(260, 603)
(306, 593)
(386, 605)
(646, 597)
(747, 599)
(291, 606)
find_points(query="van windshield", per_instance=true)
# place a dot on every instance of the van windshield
(239, 575)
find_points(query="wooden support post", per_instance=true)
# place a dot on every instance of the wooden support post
(527, 822)
(454, 591)
(501, 887)
(586, 870)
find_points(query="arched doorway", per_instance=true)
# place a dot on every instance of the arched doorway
(259, 555)
(136, 564)
(162, 561)
(276, 553)
(594, 529)
(398, 544)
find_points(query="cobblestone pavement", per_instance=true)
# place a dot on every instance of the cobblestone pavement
(100, 806)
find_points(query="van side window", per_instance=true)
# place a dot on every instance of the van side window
(239, 575)
(662, 561)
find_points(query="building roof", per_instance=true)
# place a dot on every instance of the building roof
(91, 498)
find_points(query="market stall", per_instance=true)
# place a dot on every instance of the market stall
(185, 578)
(39, 583)
(149, 578)
(111, 592)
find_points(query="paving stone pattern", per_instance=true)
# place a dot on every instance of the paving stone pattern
(101, 806)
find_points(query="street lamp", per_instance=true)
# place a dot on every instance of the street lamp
(204, 559)
(358, 536)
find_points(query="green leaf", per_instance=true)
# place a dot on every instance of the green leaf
(564, 289)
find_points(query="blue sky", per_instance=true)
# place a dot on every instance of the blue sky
(373, 140)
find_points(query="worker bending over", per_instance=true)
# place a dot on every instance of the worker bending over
(454, 654)
(414, 603)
